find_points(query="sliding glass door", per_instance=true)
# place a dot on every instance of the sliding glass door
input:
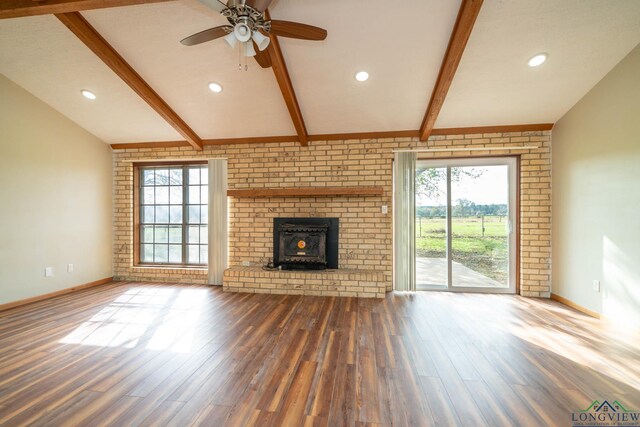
(465, 217)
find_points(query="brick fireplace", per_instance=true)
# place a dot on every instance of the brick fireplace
(365, 236)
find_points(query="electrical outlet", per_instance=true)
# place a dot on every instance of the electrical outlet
(385, 209)
(48, 272)
(69, 268)
(596, 285)
(246, 263)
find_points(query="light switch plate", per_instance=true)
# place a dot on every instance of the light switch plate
(385, 209)
(48, 272)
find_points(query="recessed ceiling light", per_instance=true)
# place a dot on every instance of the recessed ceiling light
(537, 60)
(88, 94)
(215, 87)
(362, 76)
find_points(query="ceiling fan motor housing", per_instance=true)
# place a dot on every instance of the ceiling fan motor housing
(241, 14)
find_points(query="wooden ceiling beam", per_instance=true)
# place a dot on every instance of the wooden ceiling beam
(284, 81)
(493, 129)
(98, 45)
(469, 10)
(364, 135)
(20, 8)
(219, 141)
(530, 127)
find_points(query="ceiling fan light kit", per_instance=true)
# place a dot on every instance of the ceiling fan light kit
(242, 32)
(231, 39)
(261, 40)
(249, 26)
(249, 50)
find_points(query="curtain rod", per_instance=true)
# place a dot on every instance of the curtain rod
(427, 150)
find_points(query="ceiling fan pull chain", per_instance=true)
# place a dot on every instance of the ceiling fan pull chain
(244, 55)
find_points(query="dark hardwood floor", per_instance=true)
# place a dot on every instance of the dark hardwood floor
(141, 354)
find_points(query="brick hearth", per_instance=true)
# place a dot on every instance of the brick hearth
(347, 282)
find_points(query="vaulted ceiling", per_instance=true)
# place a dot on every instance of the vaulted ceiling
(401, 44)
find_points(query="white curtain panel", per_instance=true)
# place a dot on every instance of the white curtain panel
(404, 223)
(218, 232)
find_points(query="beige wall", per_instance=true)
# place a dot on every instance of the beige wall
(365, 233)
(55, 198)
(596, 196)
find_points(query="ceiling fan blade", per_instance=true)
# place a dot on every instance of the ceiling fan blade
(207, 35)
(262, 57)
(295, 30)
(260, 5)
(216, 5)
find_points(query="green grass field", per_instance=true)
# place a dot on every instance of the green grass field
(487, 254)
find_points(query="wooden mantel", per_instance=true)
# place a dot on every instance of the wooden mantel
(307, 192)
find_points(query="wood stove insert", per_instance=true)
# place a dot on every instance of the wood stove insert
(305, 243)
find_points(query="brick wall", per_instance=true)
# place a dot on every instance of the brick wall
(365, 233)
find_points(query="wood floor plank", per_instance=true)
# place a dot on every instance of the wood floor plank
(28, 406)
(279, 382)
(212, 415)
(34, 384)
(158, 354)
(368, 409)
(407, 402)
(343, 399)
(153, 400)
(489, 405)
(197, 380)
(261, 418)
(61, 414)
(545, 405)
(465, 406)
(162, 414)
(259, 348)
(201, 398)
(320, 401)
(441, 407)
(293, 407)
(109, 414)
(312, 421)
(499, 388)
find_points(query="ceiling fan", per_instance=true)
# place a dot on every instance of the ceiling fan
(250, 25)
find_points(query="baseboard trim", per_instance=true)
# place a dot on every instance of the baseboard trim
(575, 306)
(26, 301)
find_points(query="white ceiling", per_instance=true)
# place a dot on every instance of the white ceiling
(148, 36)
(494, 85)
(401, 46)
(41, 55)
(321, 72)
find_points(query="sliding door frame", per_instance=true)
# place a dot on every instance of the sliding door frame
(513, 163)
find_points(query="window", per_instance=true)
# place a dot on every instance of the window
(172, 212)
